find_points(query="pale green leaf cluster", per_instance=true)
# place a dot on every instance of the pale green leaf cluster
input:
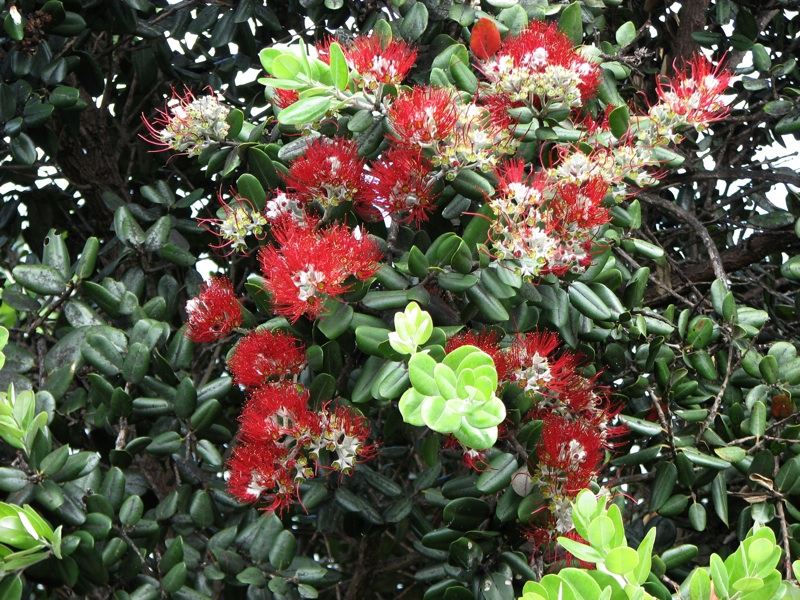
(19, 422)
(25, 538)
(455, 396)
(750, 573)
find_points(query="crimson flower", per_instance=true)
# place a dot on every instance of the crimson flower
(262, 355)
(306, 266)
(424, 116)
(379, 63)
(540, 67)
(400, 185)
(328, 173)
(696, 92)
(571, 450)
(214, 313)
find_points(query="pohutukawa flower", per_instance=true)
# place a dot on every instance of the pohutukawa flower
(377, 63)
(189, 125)
(214, 313)
(517, 192)
(424, 116)
(241, 219)
(329, 172)
(570, 450)
(400, 184)
(306, 266)
(541, 69)
(694, 96)
(263, 355)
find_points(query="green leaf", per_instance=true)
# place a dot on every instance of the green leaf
(619, 118)
(733, 454)
(250, 187)
(625, 34)
(758, 418)
(306, 110)
(587, 302)
(719, 495)
(571, 23)
(621, 560)
(40, 279)
(581, 551)
(340, 74)
(787, 125)
(498, 474)
(414, 23)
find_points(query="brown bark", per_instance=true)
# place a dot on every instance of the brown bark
(692, 18)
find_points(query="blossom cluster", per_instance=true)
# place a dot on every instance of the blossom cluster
(282, 442)
(189, 125)
(576, 419)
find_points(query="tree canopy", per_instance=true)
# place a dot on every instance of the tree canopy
(352, 298)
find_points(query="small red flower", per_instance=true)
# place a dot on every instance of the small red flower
(263, 355)
(399, 184)
(308, 265)
(377, 63)
(214, 313)
(328, 173)
(424, 116)
(263, 470)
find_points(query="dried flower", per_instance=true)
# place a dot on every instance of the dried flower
(263, 355)
(328, 173)
(214, 313)
(189, 125)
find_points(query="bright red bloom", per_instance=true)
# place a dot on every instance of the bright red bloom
(696, 92)
(214, 313)
(571, 449)
(279, 412)
(263, 355)
(284, 98)
(489, 342)
(306, 266)
(399, 184)
(529, 359)
(260, 470)
(485, 39)
(377, 63)
(329, 172)
(424, 116)
(540, 67)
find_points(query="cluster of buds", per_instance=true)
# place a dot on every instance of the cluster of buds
(189, 125)
(283, 442)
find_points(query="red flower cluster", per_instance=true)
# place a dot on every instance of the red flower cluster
(543, 224)
(696, 93)
(329, 172)
(378, 62)
(282, 442)
(400, 185)
(540, 69)
(306, 266)
(214, 313)
(263, 355)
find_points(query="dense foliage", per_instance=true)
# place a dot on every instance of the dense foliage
(351, 299)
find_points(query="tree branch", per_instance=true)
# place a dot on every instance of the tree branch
(696, 226)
